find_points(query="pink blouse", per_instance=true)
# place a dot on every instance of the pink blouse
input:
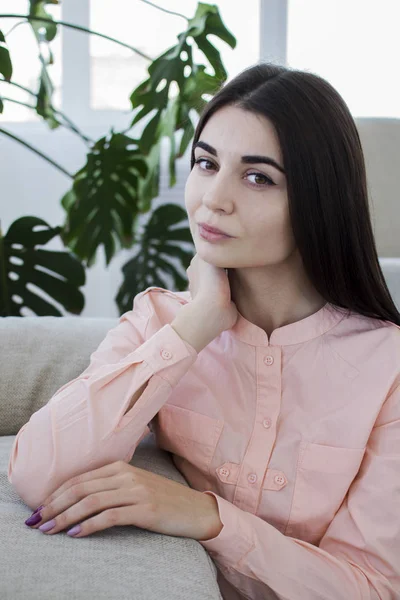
(296, 435)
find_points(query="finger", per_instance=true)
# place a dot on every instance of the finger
(96, 503)
(73, 495)
(120, 515)
(104, 471)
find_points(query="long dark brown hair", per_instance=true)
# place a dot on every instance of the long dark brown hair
(326, 181)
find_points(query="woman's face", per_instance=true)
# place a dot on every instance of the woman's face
(245, 200)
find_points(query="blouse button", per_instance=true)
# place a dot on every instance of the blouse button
(224, 471)
(279, 479)
(166, 354)
(269, 360)
(267, 423)
(252, 478)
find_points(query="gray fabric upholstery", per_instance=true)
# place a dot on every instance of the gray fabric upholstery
(37, 356)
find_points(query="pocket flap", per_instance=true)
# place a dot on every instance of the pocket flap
(330, 459)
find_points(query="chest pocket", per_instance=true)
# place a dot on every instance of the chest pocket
(188, 434)
(324, 475)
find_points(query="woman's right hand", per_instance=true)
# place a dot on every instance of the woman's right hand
(210, 290)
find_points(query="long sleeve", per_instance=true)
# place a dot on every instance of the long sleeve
(85, 424)
(359, 556)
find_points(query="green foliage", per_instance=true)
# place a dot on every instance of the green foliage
(38, 9)
(121, 176)
(5, 60)
(173, 114)
(161, 240)
(101, 206)
(58, 274)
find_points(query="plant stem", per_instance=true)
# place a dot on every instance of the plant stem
(18, 102)
(68, 125)
(72, 126)
(13, 27)
(68, 122)
(36, 151)
(170, 12)
(21, 87)
(79, 28)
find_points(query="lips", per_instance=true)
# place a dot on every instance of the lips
(213, 229)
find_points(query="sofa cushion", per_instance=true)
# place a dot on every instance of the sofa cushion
(38, 356)
(121, 563)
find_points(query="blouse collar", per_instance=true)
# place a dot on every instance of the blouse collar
(299, 332)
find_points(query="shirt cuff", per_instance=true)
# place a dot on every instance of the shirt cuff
(163, 350)
(232, 542)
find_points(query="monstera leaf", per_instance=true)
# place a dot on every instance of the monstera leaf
(149, 187)
(5, 60)
(58, 274)
(103, 202)
(44, 31)
(120, 178)
(44, 107)
(176, 66)
(37, 8)
(161, 240)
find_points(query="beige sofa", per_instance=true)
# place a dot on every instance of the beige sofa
(37, 356)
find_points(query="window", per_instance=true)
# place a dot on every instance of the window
(94, 77)
(24, 52)
(349, 43)
(116, 71)
(354, 45)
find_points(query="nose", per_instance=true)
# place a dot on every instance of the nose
(218, 193)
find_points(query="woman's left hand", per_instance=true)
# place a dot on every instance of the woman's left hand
(120, 494)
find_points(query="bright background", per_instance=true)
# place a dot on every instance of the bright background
(354, 44)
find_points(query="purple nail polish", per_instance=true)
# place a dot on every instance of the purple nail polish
(40, 507)
(34, 519)
(74, 530)
(47, 526)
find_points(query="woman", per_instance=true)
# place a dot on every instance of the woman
(274, 381)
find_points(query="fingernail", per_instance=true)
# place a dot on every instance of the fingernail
(40, 507)
(34, 519)
(74, 530)
(47, 526)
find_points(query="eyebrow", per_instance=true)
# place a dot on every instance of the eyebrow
(251, 159)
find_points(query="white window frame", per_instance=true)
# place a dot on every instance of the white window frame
(75, 92)
(75, 50)
(76, 81)
(273, 31)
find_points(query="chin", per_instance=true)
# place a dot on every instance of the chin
(208, 258)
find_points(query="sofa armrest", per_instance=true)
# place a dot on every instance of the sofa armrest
(123, 562)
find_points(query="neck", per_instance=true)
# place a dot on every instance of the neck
(271, 300)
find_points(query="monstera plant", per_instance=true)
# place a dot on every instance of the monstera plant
(118, 181)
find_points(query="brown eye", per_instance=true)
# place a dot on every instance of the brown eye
(199, 160)
(267, 180)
